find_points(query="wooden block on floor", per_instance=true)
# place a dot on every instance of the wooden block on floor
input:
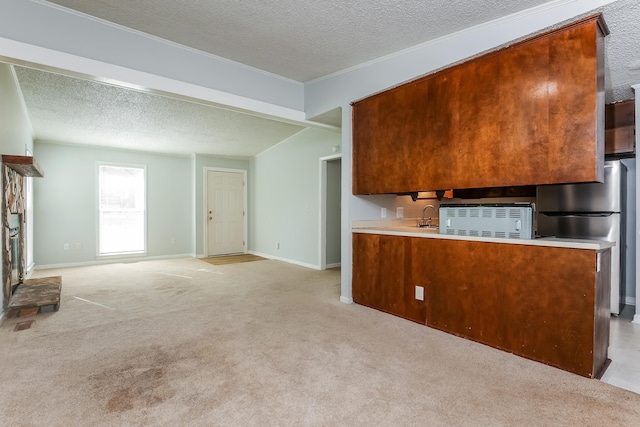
(34, 294)
(22, 312)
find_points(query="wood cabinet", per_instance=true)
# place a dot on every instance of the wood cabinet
(528, 114)
(543, 303)
(383, 276)
(620, 126)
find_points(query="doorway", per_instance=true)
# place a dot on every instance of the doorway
(225, 211)
(330, 211)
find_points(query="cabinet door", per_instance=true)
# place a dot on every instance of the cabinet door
(478, 137)
(620, 128)
(523, 98)
(381, 279)
(575, 152)
(435, 161)
(537, 302)
(386, 130)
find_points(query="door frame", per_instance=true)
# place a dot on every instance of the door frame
(322, 261)
(205, 178)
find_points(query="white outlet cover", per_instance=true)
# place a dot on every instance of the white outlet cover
(383, 212)
(419, 293)
(399, 212)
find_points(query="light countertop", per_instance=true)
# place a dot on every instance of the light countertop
(408, 228)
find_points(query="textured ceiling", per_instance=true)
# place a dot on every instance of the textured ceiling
(301, 40)
(622, 49)
(294, 39)
(70, 110)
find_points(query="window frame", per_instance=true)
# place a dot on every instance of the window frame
(127, 254)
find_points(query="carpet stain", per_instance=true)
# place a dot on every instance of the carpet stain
(171, 288)
(23, 325)
(122, 401)
(140, 383)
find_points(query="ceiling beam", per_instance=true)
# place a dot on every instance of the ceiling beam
(44, 35)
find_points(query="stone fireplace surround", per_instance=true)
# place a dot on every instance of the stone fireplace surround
(27, 297)
(14, 203)
(14, 171)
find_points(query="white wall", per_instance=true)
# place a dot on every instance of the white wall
(15, 128)
(65, 203)
(284, 197)
(200, 163)
(15, 139)
(333, 229)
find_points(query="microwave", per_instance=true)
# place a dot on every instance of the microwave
(501, 220)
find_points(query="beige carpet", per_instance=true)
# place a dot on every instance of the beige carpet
(232, 259)
(182, 342)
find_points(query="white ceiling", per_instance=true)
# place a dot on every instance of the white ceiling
(298, 40)
(622, 49)
(75, 111)
(301, 40)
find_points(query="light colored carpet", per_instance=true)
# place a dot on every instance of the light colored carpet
(182, 342)
(232, 259)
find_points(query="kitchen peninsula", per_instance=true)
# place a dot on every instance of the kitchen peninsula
(529, 114)
(543, 299)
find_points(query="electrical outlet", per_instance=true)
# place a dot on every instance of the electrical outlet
(277, 245)
(78, 246)
(66, 246)
(399, 212)
(383, 212)
(419, 293)
(173, 241)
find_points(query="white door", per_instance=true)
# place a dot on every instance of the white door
(225, 213)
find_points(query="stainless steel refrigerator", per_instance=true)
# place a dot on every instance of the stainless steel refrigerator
(590, 211)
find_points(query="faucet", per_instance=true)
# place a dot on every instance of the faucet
(427, 222)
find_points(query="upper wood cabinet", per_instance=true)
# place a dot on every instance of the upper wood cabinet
(529, 114)
(620, 126)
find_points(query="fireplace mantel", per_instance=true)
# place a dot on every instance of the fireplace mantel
(24, 165)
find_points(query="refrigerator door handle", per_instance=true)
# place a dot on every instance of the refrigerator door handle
(579, 214)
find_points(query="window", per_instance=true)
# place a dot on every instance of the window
(122, 209)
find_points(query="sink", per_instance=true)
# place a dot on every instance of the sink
(415, 228)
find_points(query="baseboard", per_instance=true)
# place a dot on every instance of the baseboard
(346, 300)
(30, 269)
(636, 319)
(112, 261)
(290, 261)
(335, 265)
(630, 301)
